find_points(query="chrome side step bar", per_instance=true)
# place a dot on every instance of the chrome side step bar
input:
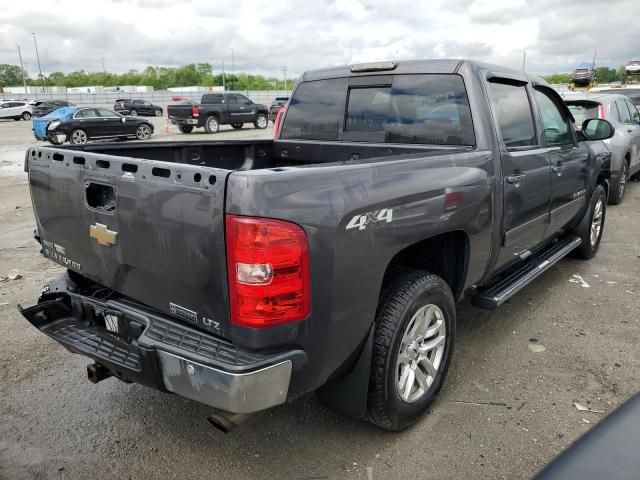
(498, 293)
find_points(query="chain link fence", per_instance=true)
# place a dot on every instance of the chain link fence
(158, 97)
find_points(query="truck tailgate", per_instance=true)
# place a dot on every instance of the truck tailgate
(150, 230)
(180, 111)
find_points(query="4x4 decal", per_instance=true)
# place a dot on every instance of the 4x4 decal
(361, 221)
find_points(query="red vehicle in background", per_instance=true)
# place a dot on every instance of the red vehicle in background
(276, 106)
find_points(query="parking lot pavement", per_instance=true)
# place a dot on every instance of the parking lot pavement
(506, 409)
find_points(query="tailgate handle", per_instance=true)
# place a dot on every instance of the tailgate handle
(100, 197)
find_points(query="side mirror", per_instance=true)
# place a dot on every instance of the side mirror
(597, 129)
(123, 119)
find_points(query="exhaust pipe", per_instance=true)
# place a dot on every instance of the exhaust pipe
(227, 421)
(96, 373)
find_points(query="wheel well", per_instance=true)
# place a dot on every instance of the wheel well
(445, 255)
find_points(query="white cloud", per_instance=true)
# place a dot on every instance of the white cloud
(305, 35)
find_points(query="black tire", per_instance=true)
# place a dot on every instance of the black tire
(237, 126)
(78, 137)
(405, 292)
(211, 125)
(261, 122)
(133, 113)
(617, 190)
(185, 128)
(158, 113)
(26, 116)
(588, 248)
(144, 131)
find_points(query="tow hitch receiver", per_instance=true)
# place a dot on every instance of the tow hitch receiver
(96, 373)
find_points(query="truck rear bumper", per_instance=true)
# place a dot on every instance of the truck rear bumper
(139, 345)
(184, 121)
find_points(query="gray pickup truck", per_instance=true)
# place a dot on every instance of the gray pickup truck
(244, 274)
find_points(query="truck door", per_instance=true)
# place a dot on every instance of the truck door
(525, 169)
(568, 158)
(240, 109)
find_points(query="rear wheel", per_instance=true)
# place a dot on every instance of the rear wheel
(413, 343)
(185, 128)
(617, 191)
(158, 113)
(133, 113)
(591, 226)
(26, 116)
(143, 132)
(212, 125)
(261, 121)
(237, 126)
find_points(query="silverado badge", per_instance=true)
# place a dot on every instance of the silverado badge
(103, 235)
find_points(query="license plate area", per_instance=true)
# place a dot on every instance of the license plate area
(116, 324)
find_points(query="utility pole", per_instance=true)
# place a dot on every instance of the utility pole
(104, 70)
(524, 59)
(233, 69)
(284, 73)
(38, 57)
(223, 85)
(24, 80)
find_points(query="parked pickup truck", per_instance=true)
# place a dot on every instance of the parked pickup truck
(217, 109)
(244, 274)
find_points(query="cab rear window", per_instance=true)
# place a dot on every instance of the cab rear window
(414, 109)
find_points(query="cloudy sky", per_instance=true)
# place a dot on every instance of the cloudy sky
(306, 34)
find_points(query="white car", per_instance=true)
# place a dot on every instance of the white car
(16, 110)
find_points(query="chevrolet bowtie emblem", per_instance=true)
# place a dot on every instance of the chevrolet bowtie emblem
(103, 235)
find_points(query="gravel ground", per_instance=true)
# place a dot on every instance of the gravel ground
(506, 409)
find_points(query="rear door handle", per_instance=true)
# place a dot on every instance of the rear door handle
(558, 169)
(517, 178)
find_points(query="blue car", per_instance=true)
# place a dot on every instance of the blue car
(40, 126)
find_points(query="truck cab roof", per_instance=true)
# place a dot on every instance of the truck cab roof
(434, 66)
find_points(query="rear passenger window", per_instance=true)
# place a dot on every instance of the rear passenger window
(623, 112)
(513, 112)
(635, 115)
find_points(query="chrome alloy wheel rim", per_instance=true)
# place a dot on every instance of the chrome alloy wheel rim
(596, 222)
(143, 132)
(212, 123)
(421, 353)
(79, 137)
(262, 122)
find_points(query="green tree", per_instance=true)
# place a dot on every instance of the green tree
(10, 75)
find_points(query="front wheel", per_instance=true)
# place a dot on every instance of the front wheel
(185, 128)
(26, 116)
(78, 137)
(133, 113)
(261, 121)
(143, 132)
(413, 343)
(591, 226)
(237, 126)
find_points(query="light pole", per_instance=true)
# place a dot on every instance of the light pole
(223, 85)
(233, 69)
(24, 80)
(38, 57)
(284, 72)
(104, 70)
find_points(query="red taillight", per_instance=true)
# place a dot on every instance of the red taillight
(276, 127)
(452, 200)
(195, 112)
(268, 270)
(601, 112)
